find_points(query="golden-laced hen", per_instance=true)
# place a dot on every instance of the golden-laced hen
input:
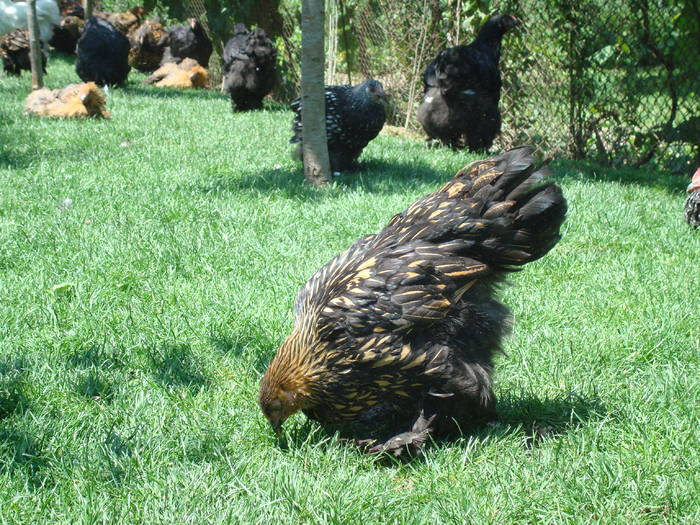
(404, 324)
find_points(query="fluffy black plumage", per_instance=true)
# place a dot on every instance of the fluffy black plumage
(249, 67)
(406, 322)
(14, 52)
(103, 54)
(462, 89)
(188, 42)
(354, 116)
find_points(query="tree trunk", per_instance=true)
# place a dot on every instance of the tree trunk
(35, 58)
(313, 101)
(87, 7)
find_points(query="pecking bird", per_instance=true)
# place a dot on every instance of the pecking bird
(148, 43)
(692, 203)
(188, 42)
(73, 101)
(354, 116)
(405, 323)
(14, 52)
(103, 54)
(184, 75)
(462, 89)
(249, 67)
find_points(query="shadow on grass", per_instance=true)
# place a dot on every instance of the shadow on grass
(19, 451)
(588, 171)
(13, 399)
(531, 417)
(175, 366)
(373, 176)
(244, 345)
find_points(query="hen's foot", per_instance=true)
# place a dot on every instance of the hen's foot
(410, 442)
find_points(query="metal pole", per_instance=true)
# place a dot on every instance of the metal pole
(35, 56)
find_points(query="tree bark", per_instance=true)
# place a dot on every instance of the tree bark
(313, 101)
(35, 58)
(87, 7)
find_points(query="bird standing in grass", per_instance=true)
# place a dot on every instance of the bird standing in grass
(103, 54)
(249, 67)
(188, 42)
(692, 203)
(148, 43)
(14, 52)
(406, 322)
(354, 116)
(462, 89)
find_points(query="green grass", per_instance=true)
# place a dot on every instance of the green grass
(136, 321)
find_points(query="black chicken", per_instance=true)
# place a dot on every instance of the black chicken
(354, 116)
(405, 323)
(692, 203)
(66, 34)
(249, 67)
(14, 52)
(188, 42)
(103, 54)
(462, 89)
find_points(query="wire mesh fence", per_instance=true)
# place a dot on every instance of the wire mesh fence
(616, 81)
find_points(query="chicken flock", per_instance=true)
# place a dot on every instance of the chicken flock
(399, 332)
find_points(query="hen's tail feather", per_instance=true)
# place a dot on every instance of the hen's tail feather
(501, 211)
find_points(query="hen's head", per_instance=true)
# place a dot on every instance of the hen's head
(287, 386)
(505, 22)
(375, 90)
(695, 182)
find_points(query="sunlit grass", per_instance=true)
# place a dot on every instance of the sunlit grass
(148, 266)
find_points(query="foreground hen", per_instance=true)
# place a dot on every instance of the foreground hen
(354, 116)
(405, 323)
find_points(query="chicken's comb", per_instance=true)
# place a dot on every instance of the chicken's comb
(695, 182)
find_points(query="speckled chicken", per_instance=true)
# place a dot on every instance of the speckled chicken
(148, 43)
(692, 203)
(249, 67)
(354, 116)
(14, 52)
(462, 89)
(188, 42)
(404, 324)
(184, 75)
(103, 54)
(73, 101)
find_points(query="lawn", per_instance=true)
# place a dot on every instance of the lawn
(148, 266)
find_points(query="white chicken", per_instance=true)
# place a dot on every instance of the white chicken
(13, 15)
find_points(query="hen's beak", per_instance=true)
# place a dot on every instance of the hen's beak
(277, 427)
